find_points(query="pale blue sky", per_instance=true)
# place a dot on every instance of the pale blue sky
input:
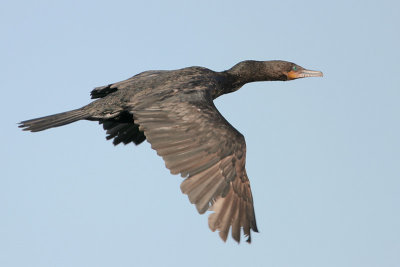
(323, 155)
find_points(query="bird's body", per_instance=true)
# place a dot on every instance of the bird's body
(174, 111)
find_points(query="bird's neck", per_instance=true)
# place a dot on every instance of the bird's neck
(246, 72)
(255, 71)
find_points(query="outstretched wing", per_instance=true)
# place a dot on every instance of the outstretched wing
(196, 141)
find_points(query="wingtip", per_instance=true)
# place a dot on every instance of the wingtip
(254, 228)
(248, 240)
(223, 235)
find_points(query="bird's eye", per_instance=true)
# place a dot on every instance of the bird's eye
(294, 68)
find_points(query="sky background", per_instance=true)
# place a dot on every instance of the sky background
(323, 154)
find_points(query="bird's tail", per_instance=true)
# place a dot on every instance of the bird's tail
(43, 123)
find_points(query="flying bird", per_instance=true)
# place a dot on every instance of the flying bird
(175, 112)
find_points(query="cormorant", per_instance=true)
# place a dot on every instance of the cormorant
(174, 111)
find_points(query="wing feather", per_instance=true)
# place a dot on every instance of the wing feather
(196, 141)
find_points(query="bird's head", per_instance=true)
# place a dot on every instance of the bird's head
(286, 71)
(293, 71)
(273, 70)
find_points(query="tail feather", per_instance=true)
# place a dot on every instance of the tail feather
(43, 123)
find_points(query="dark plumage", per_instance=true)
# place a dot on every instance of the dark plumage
(174, 111)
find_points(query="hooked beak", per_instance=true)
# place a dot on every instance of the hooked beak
(303, 73)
